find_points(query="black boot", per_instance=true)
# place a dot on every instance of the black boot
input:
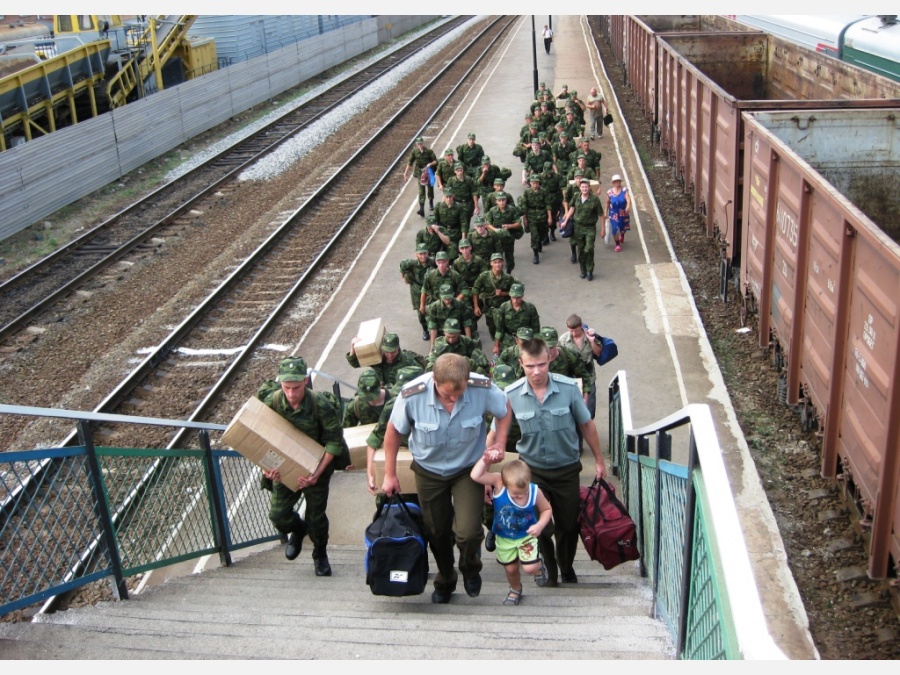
(295, 539)
(421, 211)
(320, 559)
(536, 258)
(583, 272)
(431, 205)
(574, 257)
(552, 235)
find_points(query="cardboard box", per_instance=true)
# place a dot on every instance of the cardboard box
(271, 442)
(404, 471)
(368, 348)
(356, 441)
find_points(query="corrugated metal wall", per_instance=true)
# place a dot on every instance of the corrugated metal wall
(43, 175)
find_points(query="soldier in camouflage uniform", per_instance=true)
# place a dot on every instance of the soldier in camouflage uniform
(491, 200)
(469, 266)
(564, 361)
(444, 171)
(553, 184)
(572, 127)
(454, 343)
(366, 406)
(486, 177)
(447, 307)
(450, 218)
(421, 158)
(436, 278)
(564, 154)
(485, 242)
(506, 217)
(491, 290)
(512, 315)
(510, 355)
(465, 191)
(392, 358)
(525, 135)
(537, 216)
(534, 160)
(586, 172)
(470, 154)
(578, 107)
(586, 210)
(593, 157)
(413, 272)
(433, 236)
(318, 416)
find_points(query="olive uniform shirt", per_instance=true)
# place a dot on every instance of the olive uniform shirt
(509, 321)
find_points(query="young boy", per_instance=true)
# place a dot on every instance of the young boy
(516, 524)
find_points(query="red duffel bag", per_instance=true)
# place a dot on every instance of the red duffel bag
(607, 531)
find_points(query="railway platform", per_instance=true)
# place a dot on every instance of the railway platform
(639, 297)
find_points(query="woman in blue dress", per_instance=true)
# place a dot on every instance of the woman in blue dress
(618, 210)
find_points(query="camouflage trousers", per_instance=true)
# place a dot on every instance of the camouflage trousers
(283, 500)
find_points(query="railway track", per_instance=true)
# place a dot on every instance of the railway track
(175, 205)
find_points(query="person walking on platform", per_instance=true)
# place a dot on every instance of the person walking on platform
(422, 158)
(618, 207)
(392, 358)
(491, 290)
(470, 154)
(536, 216)
(534, 160)
(564, 153)
(583, 341)
(564, 361)
(487, 177)
(484, 242)
(443, 412)
(450, 218)
(547, 34)
(465, 192)
(505, 217)
(318, 416)
(553, 184)
(469, 266)
(596, 105)
(549, 408)
(452, 342)
(510, 355)
(366, 406)
(591, 157)
(447, 307)
(444, 171)
(512, 315)
(586, 210)
(442, 275)
(412, 271)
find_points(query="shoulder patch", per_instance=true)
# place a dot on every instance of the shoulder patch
(479, 381)
(412, 389)
(562, 378)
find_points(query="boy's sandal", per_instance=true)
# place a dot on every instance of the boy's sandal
(541, 577)
(513, 597)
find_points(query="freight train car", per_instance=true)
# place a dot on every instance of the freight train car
(707, 80)
(822, 270)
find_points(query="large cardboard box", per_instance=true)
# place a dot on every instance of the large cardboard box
(356, 441)
(368, 348)
(271, 442)
(404, 471)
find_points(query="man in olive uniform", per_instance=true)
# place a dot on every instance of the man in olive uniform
(586, 210)
(465, 192)
(484, 242)
(486, 177)
(534, 160)
(413, 273)
(454, 343)
(444, 171)
(318, 416)
(392, 358)
(537, 216)
(553, 184)
(433, 236)
(564, 361)
(525, 135)
(581, 166)
(592, 156)
(512, 315)
(573, 128)
(578, 107)
(564, 153)
(450, 218)
(491, 200)
(510, 355)
(366, 406)
(434, 279)
(420, 159)
(505, 217)
(469, 266)
(446, 307)
(470, 154)
(490, 291)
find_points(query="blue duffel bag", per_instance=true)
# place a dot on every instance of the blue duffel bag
(396, 552)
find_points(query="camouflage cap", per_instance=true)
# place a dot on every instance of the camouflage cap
(541, 135)
(524, 333)
(548, 165)
(405, 375)
(430, 219)
(291, 369)
(501, 195)
(485, 160)
(580, 155)
(452, 326)
(496, 256)
(448, 151)
(464, 243)
(549, 335)
(448, 192)
(445, 292)
(516, 291)
(574, 93)
(390, 342)
(503, 375)
(578, 174)
(563, 134)
(565, 86)
(459, 166)
(471, 135)
(499, 181)
(420, 140)
(535, 178)
(442, 255)
(368, 386)
(421, 248)
(478, 221)
(536, 141)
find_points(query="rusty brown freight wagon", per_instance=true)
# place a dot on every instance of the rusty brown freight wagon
(822, 271)
(707, 80)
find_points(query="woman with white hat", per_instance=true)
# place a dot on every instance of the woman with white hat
(618, 210)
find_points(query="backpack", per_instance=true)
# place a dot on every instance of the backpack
(396, 556)
(607, 531)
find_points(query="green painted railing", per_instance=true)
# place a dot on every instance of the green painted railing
(692, 548)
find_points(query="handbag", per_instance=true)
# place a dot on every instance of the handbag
(625, 219)
(608, 119)
(607, 531)
(566, 231)
(396, 560)
(608, 237)
(608, 350)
